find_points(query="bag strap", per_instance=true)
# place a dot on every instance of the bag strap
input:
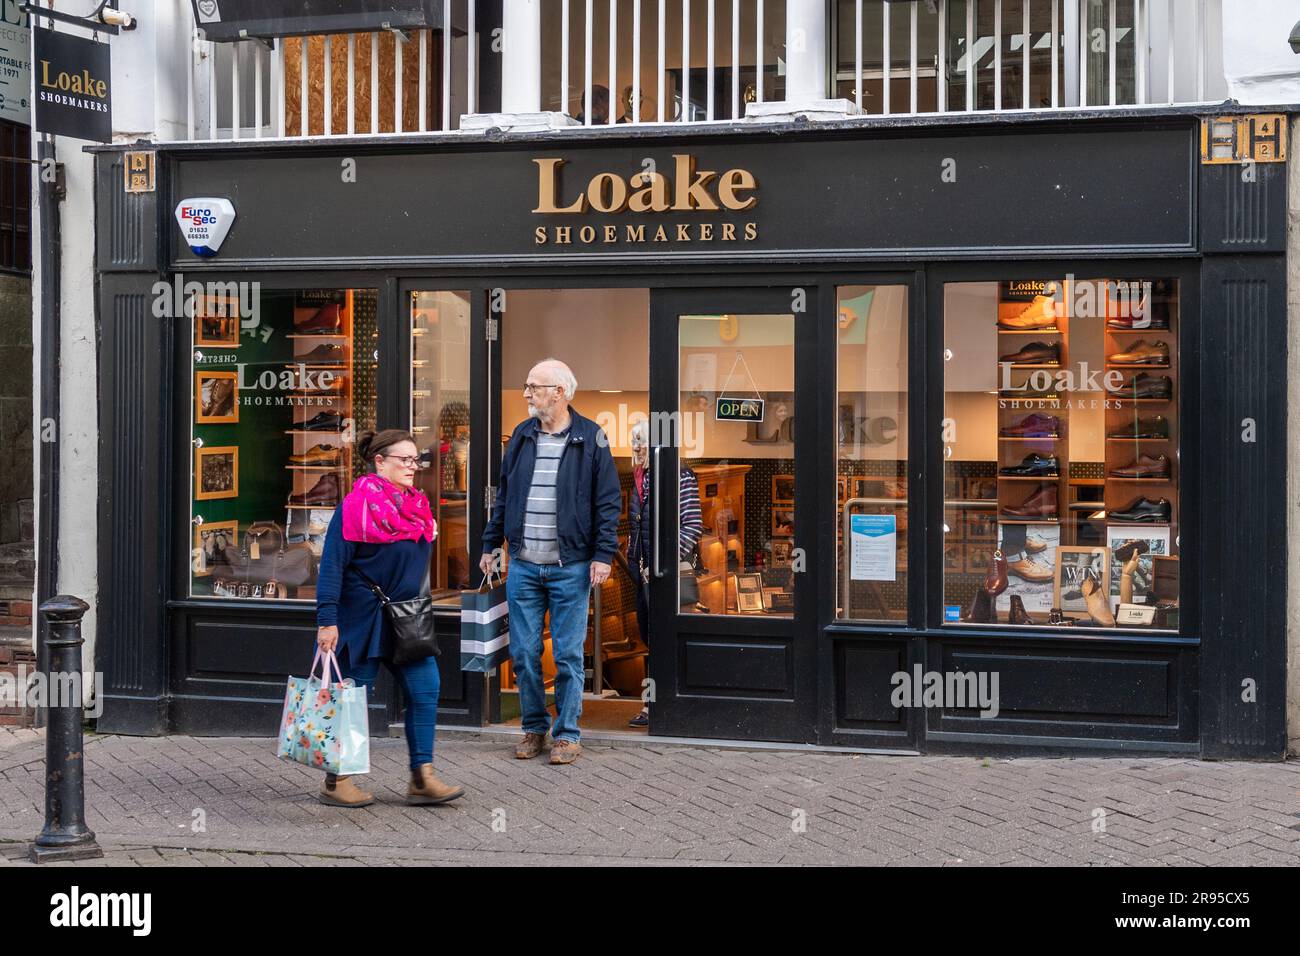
(379, 592)
(328, 658)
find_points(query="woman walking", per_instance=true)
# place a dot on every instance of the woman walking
(382, 534)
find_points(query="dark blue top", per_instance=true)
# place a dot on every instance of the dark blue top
(343, 599)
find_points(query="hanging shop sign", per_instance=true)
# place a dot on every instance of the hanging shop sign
(232, 20)
(204, 223)
(73, 97)
(15, 64)
(739, 410)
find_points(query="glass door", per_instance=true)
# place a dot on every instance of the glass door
(731, 583)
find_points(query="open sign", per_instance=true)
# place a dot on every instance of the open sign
(739, 410)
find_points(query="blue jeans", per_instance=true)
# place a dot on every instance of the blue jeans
(531, 589)
(420, 683)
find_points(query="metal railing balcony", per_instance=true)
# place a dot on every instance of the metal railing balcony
(609, 62)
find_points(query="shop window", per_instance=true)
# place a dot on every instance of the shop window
(1061, 482)
(440, 372)
(737, 551)
(281, 382)
(871, 465)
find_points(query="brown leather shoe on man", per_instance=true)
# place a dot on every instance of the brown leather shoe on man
(565, 751)
(530, 746)
(425, 789)
(342, 792)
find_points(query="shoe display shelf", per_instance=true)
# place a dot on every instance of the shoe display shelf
(1122, 413)
(438, 384)
(306, 476)
(1015, 491)
(721, 550)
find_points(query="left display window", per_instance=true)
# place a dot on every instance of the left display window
(281, 382)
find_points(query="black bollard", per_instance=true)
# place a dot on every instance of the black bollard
(66, 836)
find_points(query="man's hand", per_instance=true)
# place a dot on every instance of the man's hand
(487, 563)
(599, 573)
(327, 638)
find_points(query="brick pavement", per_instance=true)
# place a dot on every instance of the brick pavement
(190, 801)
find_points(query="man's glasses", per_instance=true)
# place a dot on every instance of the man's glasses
(534, 389)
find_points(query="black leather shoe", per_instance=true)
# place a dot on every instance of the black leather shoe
(1034, 465)
(1144, 385)
(324, 422)
(1144, 510)
(1155, 427)
(1035, 353)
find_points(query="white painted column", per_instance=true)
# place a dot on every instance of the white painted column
(521, 56)
(521, 74)
(807, 44)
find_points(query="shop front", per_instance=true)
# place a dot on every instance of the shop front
(1033, 497)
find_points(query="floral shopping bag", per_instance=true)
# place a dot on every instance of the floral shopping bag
(324, 725)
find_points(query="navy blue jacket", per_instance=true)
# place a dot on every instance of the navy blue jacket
(588, 497)
(343, 599)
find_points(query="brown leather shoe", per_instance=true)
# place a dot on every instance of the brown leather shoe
(1142, 353)
(1145, 466)
(1041, 504)
(426, 789)
(319, 455)
(565, 751)
(342, 792)
(1038, 314)
(1031, 571)
(530, 746)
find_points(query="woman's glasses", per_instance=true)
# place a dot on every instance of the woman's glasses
(408, 461)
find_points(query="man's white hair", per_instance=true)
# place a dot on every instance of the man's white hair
(564, 374)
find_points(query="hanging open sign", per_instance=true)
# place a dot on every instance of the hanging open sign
(739, 410)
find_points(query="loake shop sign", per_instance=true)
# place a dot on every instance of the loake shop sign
(73, 97)
(860, 196)
(684, 188)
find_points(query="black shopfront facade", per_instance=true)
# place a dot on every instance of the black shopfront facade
(953, 228)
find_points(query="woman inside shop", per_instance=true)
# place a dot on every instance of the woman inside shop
(640, 538)
(381, 536)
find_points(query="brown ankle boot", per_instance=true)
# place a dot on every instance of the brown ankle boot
(342, 792)
(426, 789)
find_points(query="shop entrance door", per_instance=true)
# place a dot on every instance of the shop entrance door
(732, 586)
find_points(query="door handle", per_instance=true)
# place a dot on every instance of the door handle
(658, 510)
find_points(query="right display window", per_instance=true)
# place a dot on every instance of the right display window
(1060, 438)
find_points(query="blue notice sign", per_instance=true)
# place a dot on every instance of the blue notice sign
(873, 547)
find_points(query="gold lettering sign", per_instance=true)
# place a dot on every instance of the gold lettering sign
(688, 189)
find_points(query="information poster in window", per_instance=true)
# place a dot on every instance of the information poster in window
(873, 547)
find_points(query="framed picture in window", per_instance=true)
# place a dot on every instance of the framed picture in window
(782, 522)
(211, 539)
(783, 489)
(216, 321)
(1074, 566)
(781, 548)
(981, 525)
(216, 472)
(216, 398)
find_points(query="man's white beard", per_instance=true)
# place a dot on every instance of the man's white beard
(532, 411)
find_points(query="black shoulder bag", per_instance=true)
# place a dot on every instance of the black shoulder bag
(414, 637)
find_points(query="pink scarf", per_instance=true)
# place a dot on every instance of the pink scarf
(376, 511)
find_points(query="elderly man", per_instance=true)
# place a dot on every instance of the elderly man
(558, 503)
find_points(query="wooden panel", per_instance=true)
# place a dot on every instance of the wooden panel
(862, 682)
(735, 668)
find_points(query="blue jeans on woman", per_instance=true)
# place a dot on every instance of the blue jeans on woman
(532, 589)
(420, 683)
